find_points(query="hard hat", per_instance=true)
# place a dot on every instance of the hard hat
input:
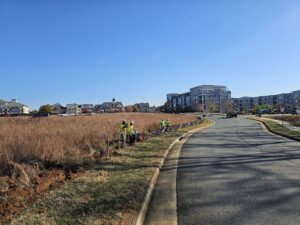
(132, 122)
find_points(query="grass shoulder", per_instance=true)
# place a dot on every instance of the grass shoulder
(280, 130)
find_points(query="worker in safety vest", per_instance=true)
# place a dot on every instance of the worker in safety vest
(131, 132)
(162, 125)
(168, 124)
(123, 132)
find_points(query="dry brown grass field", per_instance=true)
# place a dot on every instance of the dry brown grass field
(39, 153)
(294, 119)
(32, 142)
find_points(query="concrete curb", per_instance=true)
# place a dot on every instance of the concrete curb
(140, 218)
(264, 127)
(268, 130)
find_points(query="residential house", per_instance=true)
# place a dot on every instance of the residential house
(73, 109)
(143, 107)
(98, 108)
(2, 103)
(87, 108)
(58, 109)
(13, 107)
(112, 107)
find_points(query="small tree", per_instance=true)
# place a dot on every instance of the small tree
(45, 109)
(129, 108)
(34, 112)
(199, 108)
(262, 108)
(212, 107)
(228, 106)
(135, 108)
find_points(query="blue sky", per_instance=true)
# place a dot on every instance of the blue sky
(138, 51)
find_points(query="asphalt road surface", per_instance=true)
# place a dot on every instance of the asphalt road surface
(236, 173)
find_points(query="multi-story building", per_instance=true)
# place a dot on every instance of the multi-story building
(295, 99)
(245, 104)
(199, 98)
(172, 100)
(289, 101)
(13, 107)
(209, 94)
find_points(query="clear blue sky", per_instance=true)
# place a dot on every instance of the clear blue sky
(89, 51)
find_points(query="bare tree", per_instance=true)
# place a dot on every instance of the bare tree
(199, 107)
(212, 107)
(228, 106)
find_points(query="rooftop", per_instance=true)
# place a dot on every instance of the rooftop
(209, 87)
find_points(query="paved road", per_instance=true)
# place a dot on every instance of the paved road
(236, 173)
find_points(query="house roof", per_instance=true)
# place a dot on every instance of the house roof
(87, 105)
(57, 105)
(110, 103)
(15, 104)
(142, 104)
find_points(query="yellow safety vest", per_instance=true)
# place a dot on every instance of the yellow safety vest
(122, 129)
(130, 129)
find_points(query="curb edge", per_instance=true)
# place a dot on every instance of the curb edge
(268, 130)
(140, 217)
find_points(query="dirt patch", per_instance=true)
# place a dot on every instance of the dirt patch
(14, 195)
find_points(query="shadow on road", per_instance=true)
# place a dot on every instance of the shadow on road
(238, 176)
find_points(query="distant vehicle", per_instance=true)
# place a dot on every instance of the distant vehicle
(295, 112)
(64, 115)
(264, 111)
(231, 115)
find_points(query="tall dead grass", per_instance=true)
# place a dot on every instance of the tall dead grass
(61, 139)
(294, 119)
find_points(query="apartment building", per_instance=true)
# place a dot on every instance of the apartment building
(199, 98)
(289, 101)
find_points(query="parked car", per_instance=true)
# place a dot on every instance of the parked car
(63, 114)
(231, 115)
